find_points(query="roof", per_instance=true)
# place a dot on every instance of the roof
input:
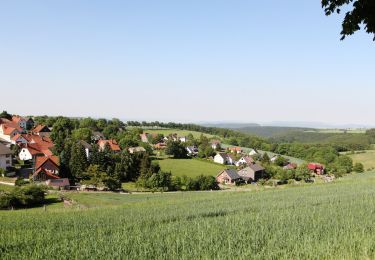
(256, 167)
(112, 144)
(17, 119)
(232, 173)
(41, 160)
(41, 129)
(137, 149)
(223, 155)
(235, 149)
(248, 171)
(314, 166)
(8, 130)
(248, 159)
(85, 144)
(4, 150)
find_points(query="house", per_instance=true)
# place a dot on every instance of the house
(5, 157)
(235, 150)
(228, 176)
(31, 151)
(183, 139)
(87, 147)
(245, 160)
(253, 152)
(46, 168)
(317, 168)
(96, 136)
(41, 130)
(19, 139)
(29, 123)
(221, 158)
(215, 144)
(138, 149)
(7, 131)
(20, 121)
(36, 145)
(112, 145)
(224, 158)
(253, 172)
(192, 150)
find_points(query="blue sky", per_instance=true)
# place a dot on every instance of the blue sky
(212, 60)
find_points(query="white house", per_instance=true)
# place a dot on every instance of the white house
(29, 153)
(224, 158)
(183, 139)
(5, 157)
(253, 152)
(8, 132)
(245, 160)
(87, 146)
(215, 144)
(192, 150)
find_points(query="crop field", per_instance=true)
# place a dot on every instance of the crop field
(190, 167)
(166, 132)
(367, 158)
(326, 221)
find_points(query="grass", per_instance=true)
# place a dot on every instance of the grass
(190, 167)
(8, 179)
(327, 221)
(4, 187)
(166, 132)
(367, 158)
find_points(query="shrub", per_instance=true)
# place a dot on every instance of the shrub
(358, 167)
(26, 196)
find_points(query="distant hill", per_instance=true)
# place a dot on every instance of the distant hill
(230, 125)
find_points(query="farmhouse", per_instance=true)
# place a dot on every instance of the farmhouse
(251, 173)
(5, 157)
(245, 160)
(228, 176)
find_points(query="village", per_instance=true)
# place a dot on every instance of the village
(27, 153)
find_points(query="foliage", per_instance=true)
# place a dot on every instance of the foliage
(25, 196)
(176, 149)
(358, 167)
(82, 134)
(5, 115)
(362, 12)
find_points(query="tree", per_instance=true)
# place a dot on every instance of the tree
(82, 134)
(5, 115)
(265, 158)
(176, 149)
(302, 173)
(358, 167)
(362, 12)
(281, 161)
(62, 129)
(78, 161)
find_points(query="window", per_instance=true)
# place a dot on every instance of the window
(7, 156)
(7, 162)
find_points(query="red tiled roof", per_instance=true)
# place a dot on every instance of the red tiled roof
(112, 144)
(17, 119)
(38, 128)
(41, 160)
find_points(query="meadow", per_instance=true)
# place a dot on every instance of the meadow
(190, 167)
(325, 221)
(367, 158)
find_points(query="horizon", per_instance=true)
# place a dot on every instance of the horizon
(185, 62)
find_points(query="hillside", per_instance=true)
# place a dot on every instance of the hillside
(327, 221)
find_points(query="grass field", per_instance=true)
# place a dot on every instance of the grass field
(367, 159)
(327, 221)
(166, 132)
(190, 167)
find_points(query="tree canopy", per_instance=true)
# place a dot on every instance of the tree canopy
(362, 12)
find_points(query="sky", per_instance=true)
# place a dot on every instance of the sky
(184, 61)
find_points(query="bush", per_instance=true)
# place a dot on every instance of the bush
(358, 167)
(26, 196)
(21, 182)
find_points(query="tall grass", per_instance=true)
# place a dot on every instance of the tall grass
(330, 221)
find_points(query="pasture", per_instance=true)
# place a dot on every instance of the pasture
(326, 221)
(367, 158)
(190, 167)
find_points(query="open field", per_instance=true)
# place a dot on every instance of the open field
(176, 131)
(190, 167)
(327, 221)
(367, 158)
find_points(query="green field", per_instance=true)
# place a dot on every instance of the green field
(190, 167)
(367, 159)
(166, 132)
(327, 221)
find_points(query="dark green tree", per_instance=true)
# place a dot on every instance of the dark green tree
(361, 13)
(78, 161)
